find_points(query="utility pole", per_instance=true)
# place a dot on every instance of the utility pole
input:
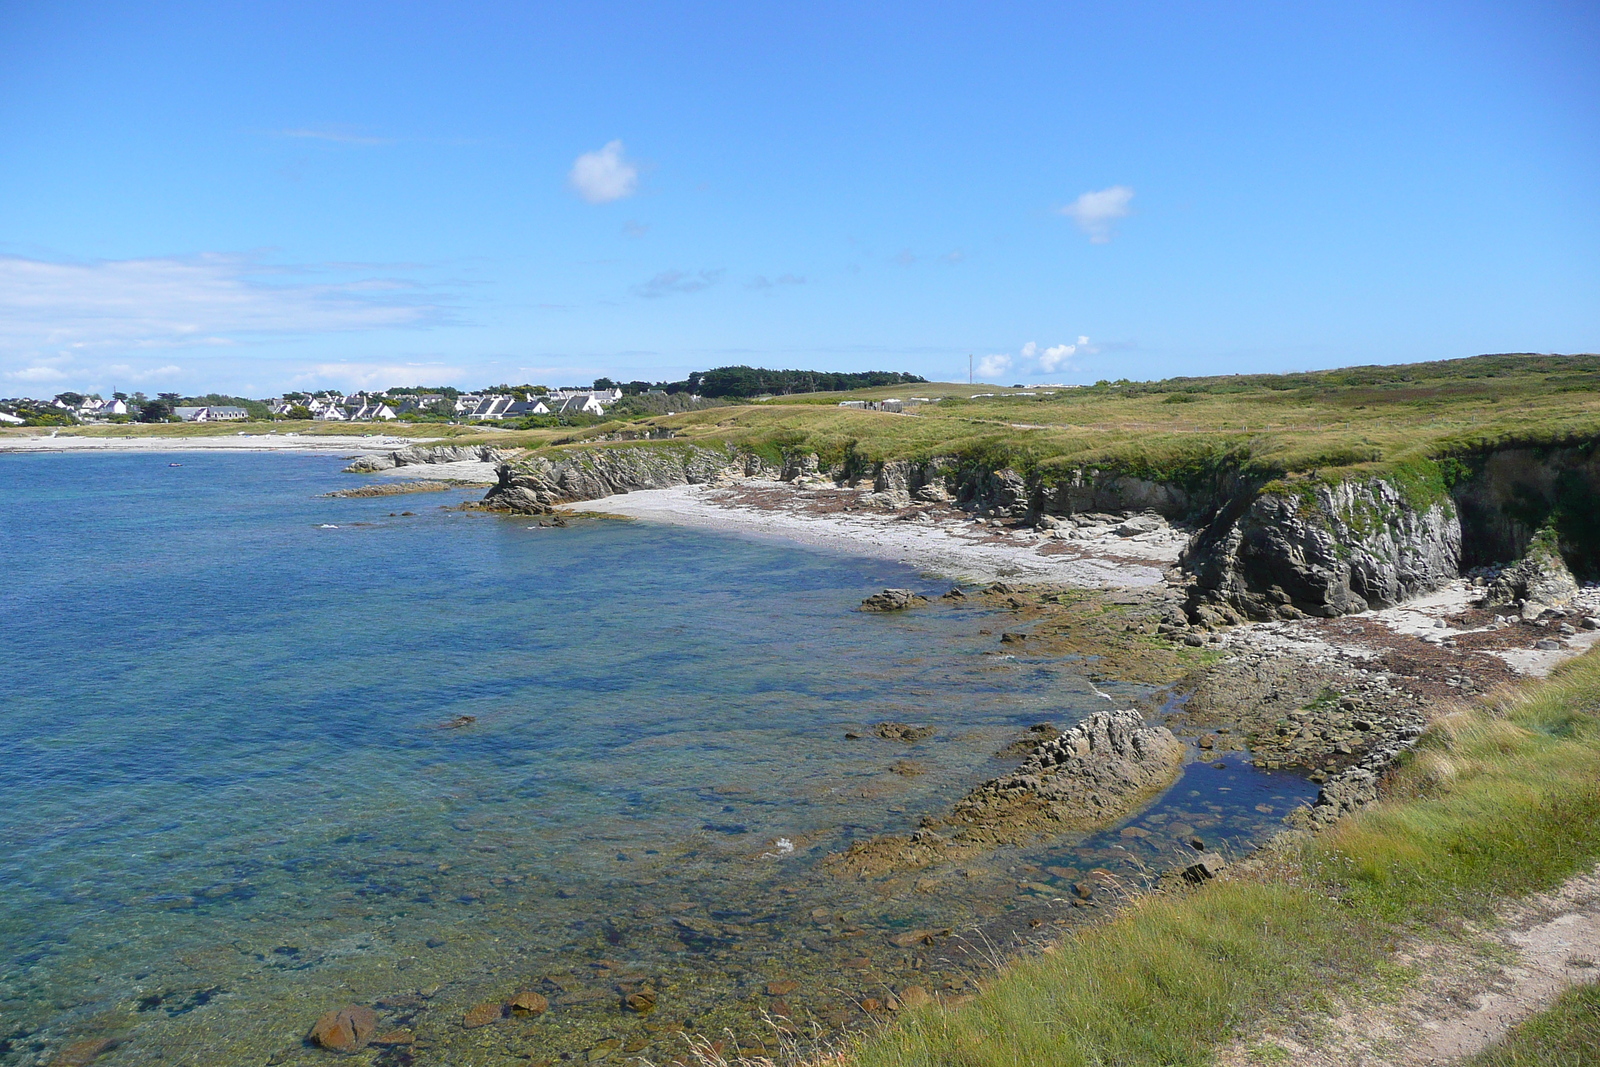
(969, 368)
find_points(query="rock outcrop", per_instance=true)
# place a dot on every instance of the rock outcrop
(421, 454)
(1084, 778)
(539, 483)
(892, 600)
(1321, 549)
(1538, 581)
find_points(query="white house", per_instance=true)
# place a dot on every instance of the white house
(327, 409)
(219, 413)
(581, 404)
(491, 406)
(10, 419)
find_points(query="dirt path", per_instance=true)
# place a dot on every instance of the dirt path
(1462, 996)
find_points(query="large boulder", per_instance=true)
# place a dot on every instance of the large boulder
(1538, 581)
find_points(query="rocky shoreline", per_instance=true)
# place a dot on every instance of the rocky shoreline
(1325, 687)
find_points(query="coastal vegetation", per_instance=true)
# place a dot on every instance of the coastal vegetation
(1565, 1035)
(1499, 799)
(1315, 424)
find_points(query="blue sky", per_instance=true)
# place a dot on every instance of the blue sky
(253, 198)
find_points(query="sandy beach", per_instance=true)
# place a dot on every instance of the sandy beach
(938, 539)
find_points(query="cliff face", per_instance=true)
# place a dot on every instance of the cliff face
(1305, 548)
(1009, 493)
(419, 454)
(1328, 550)
(537, 484)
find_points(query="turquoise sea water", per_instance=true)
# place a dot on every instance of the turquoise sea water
(227, 802)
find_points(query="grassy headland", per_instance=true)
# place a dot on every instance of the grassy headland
(1421, 424)
(1499, 799)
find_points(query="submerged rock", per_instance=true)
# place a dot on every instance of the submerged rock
(83, 1052)
(485, 1014)
(346, 1029)
(529, 1003)
(900, 731)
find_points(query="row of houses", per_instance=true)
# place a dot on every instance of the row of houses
(362, 407)
(93, 409)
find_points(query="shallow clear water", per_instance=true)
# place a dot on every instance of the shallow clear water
(227, 803)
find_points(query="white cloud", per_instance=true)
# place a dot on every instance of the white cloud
(1096, 212)
(1050, 359)
(994, 366)
(1055, 356)
(603, 176)
(36, 374)
(669, 282)
(87, 318)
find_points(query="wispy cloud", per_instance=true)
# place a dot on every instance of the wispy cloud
(604, 175)
(761, 281)
(339, 135)
(374, 375)
(1096, 212)
(73, 316)
(36, 373)
(670, 282)
(635, 229)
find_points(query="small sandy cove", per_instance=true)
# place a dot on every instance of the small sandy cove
(936, 538)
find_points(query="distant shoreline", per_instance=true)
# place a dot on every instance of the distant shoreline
(258, 442)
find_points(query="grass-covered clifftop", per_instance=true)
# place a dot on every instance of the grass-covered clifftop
(1268, 425)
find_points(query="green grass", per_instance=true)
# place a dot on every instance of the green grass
(1565, 1035)
(1499, 800)
(1393, 419)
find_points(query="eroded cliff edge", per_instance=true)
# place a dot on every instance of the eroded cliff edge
(1268, 544)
